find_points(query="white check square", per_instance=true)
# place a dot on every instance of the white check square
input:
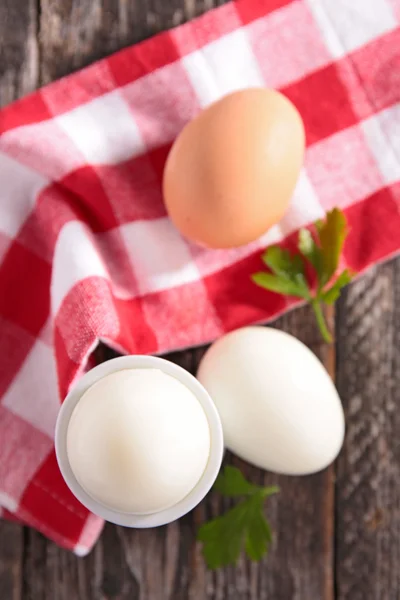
(75, 258)
(304, 207)
(104, 130)
(29, 397)
(389, 121)
(20, 187)
(350, 24)
(382, 133)
(223, 66)
(160, 257)
(44, 147)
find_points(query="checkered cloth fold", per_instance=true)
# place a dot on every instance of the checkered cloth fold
(87, 252)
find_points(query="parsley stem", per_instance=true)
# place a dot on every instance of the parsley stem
(319, 315)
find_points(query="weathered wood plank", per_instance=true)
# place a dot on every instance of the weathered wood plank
(75, 33)
(11, 559)
(18, 76)
(368, 480)
(49, 571)
(18, 49)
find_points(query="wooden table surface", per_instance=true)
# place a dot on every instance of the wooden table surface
(338, 532)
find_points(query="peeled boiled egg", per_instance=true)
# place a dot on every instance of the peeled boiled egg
(232, 170)
(138, 441)
(278, 406)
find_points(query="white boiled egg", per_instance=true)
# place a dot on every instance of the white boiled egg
(278, 406)
(138, 441)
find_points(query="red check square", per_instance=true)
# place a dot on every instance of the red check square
(31, 109)
(323, 102)
(54, 208)
(132, 63)
(259, 9)
(88, 199)
(200, 322)
(48, 492)
(378, 66)
(139, 337)
(81, 87)
(367, 221)
(247, 302)
(133, 189)
(31, 275)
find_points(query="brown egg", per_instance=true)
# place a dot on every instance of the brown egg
(231, 172)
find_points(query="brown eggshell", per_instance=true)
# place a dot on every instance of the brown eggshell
(231, 172)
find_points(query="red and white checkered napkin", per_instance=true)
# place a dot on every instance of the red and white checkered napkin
(87, 252)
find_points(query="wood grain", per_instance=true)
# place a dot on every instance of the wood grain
(74, 33)
(18, 49)
(368, 481)
(18, 76)
(11, 560)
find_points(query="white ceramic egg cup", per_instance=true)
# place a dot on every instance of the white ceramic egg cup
(216, 442)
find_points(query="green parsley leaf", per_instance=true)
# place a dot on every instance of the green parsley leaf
(258, 535)
(332, 233)
(280, 261)
(287, 273)
(244, 526)
(311, 251)
(322, 252)
(274, 283)
(230, 482)
(284, 264)
(332, 294)
(223, 536)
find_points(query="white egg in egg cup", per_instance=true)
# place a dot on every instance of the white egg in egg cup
(215, 453)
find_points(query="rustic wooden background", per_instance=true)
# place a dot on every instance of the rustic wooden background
(338, 532)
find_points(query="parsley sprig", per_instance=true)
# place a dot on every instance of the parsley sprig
(244, 526)
(320, 249)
